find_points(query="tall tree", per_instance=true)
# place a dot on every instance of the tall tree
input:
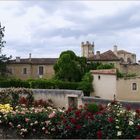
(69, 67)
(3, 59)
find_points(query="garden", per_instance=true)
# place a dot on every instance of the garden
(21, 116)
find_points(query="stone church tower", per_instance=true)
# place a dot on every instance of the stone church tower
(87, 49)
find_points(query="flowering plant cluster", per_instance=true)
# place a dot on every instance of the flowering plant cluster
(28, 122)
(12, 95)
(110, 122)
(5, 108)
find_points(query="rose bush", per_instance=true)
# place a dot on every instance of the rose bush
(111, 122)
(28, 122)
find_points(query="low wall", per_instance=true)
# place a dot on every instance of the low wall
(132, 104)
(58, 96)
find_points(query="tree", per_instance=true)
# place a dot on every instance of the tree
(69, 67)
(3, 59)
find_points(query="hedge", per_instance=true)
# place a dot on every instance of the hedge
(85, 86)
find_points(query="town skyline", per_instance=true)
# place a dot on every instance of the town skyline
(47, 28)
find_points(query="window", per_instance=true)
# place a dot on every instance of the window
(24, 70)
(41, 70)
(134, 86)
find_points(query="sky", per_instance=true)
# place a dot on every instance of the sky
(45, 28)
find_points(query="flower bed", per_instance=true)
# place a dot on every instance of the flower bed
(28, 118)
(111, 122)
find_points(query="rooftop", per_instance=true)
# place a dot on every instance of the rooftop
(106, 56)
(40, 61)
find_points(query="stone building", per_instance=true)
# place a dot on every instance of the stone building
(33, 68)
(122, 56)
(106, 84)
(122, 60)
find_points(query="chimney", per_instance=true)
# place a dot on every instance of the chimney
(30, 56)
(115, 47)
(17, 59)
(98, 54)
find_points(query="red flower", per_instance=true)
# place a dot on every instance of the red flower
(110, 119)
(137, 111)
(64, 120)
(78, 127)
(72, 120)
(77, 113)
(68, 110)
(68, 127)
(80, 106)
(128, 108)
(99, 134)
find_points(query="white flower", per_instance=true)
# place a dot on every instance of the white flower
(43, 128)
(31, 124)
(134, 113)
(36, 122)
(131, 123)
(117, 126)
(119, 133)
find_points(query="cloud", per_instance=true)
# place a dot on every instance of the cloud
(48, 27)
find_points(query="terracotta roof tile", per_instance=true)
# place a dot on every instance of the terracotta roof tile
(106, 56)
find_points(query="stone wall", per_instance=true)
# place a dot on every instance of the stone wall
(130, 68)
(60, 97)
(132, 104)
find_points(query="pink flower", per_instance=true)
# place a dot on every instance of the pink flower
(52, 115)
(11, 124)
(80, 106)
(27, 120)
(110, 119)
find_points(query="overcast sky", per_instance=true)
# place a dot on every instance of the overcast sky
(46, 28)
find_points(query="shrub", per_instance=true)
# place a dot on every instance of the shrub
(111, 122)
(86, 84)
(93, 107)
(14, 83)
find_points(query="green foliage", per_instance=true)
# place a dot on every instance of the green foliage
(14, 83)
(3, 59)
(86, 84)
(69, 67)
(93, 107)
(106, 66)
(125, 75)
(98, 65)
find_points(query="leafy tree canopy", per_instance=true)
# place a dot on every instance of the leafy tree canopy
(70, 67)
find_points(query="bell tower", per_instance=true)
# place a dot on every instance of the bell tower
(87, 49)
